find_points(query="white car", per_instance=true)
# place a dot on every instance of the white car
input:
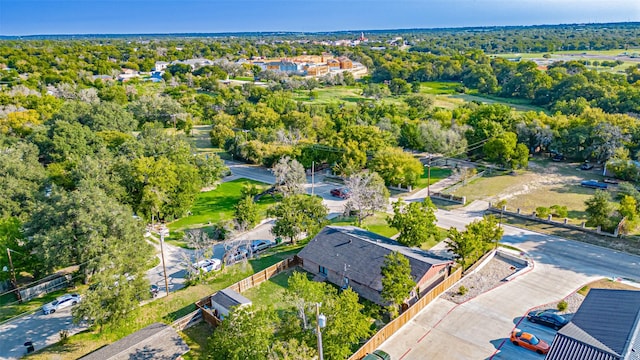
(61, 303)
(207, 265)
(259, 245)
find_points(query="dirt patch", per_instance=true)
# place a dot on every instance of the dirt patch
(485, 279)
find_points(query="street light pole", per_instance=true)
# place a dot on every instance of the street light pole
(312, 178)
(14, 282)
(163, 231)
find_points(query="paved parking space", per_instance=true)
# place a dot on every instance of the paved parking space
(512, 352)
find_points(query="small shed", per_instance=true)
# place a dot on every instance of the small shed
(225, 300)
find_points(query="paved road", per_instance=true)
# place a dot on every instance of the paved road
(41, 329)
(475, 329)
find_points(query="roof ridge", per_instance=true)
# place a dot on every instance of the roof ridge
(593, 342)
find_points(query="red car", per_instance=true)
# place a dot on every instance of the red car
(341, 193)
(529, 341)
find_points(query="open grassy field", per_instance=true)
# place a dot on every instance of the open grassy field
(437, 174)
(215, 205)
(518, 104)
(376, 224)
(545, 184)
(439, 87)
(349, 94)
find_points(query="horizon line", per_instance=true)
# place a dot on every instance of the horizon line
(275, 32)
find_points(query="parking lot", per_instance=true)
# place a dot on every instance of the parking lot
(511, 351)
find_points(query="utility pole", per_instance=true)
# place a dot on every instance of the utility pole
(312, 178)
(164, 231)
(429, 178)
(321, 321)
(14, 282)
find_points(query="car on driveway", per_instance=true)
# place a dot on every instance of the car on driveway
(342, 193)
(61, 303)
(547, 318)
(529, 341)
(207, 265)
(586, 166)
(377, 355)
(236, 255)
(259, 245)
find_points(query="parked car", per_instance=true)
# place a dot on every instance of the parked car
(586, 166)
(594, 184)
(342, 193)
(154, 290)
(60, 303)
(529, 341)
(239, 254)
(207, 265)
(259, 245)
(377, 355)
(558, 157)
(547, 318)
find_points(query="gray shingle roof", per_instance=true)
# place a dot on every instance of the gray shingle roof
(228, 298)
(605, 327)
(362, 252)
(156, 341)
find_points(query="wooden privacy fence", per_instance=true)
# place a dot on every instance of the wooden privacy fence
(264, 275)
(204, 304)
(397, 323)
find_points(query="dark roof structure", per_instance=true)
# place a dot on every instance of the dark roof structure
(605, 327)
(360, 254)
(228, 298)
(156, 341)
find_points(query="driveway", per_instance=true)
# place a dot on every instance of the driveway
(41, 329)
(477, 328)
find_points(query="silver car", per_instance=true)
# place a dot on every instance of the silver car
(61, 303)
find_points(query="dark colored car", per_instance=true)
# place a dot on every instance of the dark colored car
(547, 318)
(586, 166)
(594, 184)
(341, 193)
(154, 290)
(377, 355)
(558, 157)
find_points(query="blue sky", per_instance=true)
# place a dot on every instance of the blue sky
(29, 17)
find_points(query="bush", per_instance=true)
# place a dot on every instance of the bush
(542, 212)
(562, 305)
(559, 211)
(462, 290)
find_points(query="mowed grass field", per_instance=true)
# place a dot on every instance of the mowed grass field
(545, 184)
(215, 205)
(437, 174)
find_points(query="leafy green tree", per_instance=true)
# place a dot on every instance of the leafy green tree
(397, 167)
(628, 207)
(11, 237)
(487, 231)
(246, 213)
(21, 177)
(246, 333)
(210, 168)
(397, 282)
(504, 150)
(292, 349)
(367, 194)
(462, 245)
(416, 221)
(298, 214)
(399, 87)
(87, 228)
(599, 209)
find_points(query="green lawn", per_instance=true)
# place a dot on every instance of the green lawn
(270, 293)
(518, 104)
(437, 174)
(165, 309)
(376, 223)
(439, 87)
(349, 94)
(215, 205)
(197, 337)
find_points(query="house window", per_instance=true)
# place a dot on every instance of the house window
(322, 270)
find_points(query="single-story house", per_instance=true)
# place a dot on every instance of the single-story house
(605, 327)
(156, 341)
(225, 300)
(351, 256)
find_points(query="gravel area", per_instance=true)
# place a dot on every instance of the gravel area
(573, 303)
(491, 275)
